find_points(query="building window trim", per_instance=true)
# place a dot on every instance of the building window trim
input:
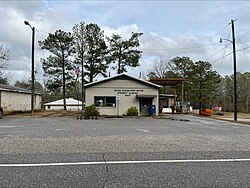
(105, 101)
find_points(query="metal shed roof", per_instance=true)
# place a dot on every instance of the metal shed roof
(123, 75)
(10, 88)
(69, 101)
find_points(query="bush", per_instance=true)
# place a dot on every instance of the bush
(90, 111)
(132, 111)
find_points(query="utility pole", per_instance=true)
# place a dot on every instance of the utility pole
(33, 71)
(235, 72)
(32, 67)
(235, 79)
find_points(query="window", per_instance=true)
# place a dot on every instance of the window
(105, 101)
(110, 101)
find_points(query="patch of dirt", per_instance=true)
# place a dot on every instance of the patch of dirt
(59, 113)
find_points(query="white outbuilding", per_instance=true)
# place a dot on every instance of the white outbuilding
(71, 104)
(115, 95)
(15, 99)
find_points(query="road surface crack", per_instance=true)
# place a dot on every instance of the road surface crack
(107, 171)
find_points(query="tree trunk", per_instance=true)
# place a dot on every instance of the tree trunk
(247, 104)
(64, 91)
(91, 77)
(119, 62)
(82, 84)
(200, 100)
(91, 73)
(200, 108)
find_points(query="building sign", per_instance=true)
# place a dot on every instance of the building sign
(118, 98)
(127, 92)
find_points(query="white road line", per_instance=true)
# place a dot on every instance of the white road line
(142, 130)
(60, 129)
(125, 162)
(9, 126)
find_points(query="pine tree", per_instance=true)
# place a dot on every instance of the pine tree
(58, 68)
(96, 50)
(123, 52)
(204, 83)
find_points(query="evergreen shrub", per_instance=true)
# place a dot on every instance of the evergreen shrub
(132, 111)
(91, 111)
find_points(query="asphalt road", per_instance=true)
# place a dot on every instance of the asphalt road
(185, 151)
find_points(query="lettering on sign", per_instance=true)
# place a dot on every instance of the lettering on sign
(128, 92)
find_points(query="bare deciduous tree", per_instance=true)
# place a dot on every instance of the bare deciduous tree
(4, 60)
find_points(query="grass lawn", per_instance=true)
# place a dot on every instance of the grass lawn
(239, 115)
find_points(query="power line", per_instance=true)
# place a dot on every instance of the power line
(230, 54)
(221, 57)
(217, 52)
(246, 47)
(194, 47)
(222, 60)
(243, 16)
(42, 31)
(221, 30)
(200, 46)
(244, 35)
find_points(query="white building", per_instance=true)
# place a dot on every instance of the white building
(114, 95)
(71, 104)
(15, 99)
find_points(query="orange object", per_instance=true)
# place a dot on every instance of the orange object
(206, 112)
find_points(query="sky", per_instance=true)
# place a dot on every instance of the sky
(170, 29)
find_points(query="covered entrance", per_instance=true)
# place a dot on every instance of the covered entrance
(145, 102)
(172, 82)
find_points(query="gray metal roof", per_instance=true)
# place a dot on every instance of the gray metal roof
(122, 75)
(10, 88)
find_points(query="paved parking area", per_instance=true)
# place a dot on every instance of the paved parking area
(69, 134)
(179, 152)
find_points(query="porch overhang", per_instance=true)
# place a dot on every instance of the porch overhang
(145, 96)
(167, 81)
(172, 82)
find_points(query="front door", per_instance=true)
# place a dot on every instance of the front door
(145, 104)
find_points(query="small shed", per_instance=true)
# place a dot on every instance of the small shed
(15, 99)
(71, 104)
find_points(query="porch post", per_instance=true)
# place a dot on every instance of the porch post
(174, 87)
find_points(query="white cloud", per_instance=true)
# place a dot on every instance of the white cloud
(124, 31)
(171, 33)
(153, 44)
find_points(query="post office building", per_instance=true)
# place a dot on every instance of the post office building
(115, 95)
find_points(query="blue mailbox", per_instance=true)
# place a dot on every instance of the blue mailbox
(152, 110)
